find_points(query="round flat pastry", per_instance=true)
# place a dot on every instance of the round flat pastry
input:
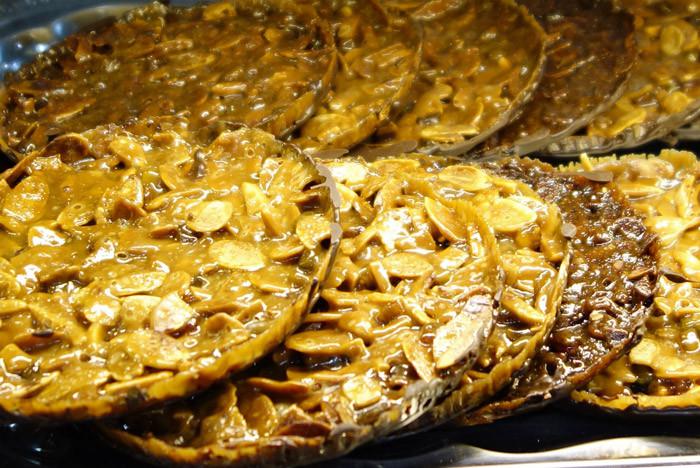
(259, 63)
(407, 308)
(536, 274)
(480, 64)
(588, 63)
(663, 370)
(135, 270)
(608, 293)
(663, 92)
(378, 58)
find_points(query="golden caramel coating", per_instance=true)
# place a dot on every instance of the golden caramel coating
(663, 369)
(480, 63)
(244, 62)
(137, 269)
(407, 308)
(378, 58)
(662, 93)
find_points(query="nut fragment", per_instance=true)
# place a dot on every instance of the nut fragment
(460, 337)
(171, 314)
(237, 255)
(363, 391)
(445, 220)
(209, 216)
(507, 215)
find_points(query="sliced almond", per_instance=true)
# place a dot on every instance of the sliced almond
(406, 265)
(137, 283)
(465, 177)
(312, 228)
(27, 201)
(171, 314)
(507, 215)
(209, 216)
(445, 221)
(419, 357)
(363, 391)
(237, 255)
(463, 336)
(326, 343)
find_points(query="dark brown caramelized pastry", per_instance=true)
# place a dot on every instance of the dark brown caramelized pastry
(588, 63)
(608, 293)
(662, 371)
(136, 270)
(260, 63)
(378, 58)
(480, 64)
(663, 92)
(407, 308)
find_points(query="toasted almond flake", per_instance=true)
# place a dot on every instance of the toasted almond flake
(12, 306)
(14, 359)
(286, 387)
(521, 309)
(27, 201)
(255, 198)
(463, 335)
(101, 309)
(465, 177)
(238, 255)
(76, 214)
(312, 228)
(506, 215)
(259, 413)
(326, 343)
(209, 216)
(445, 221)
(137, 283)
(406, 265)
(171, 314)
(222, 321)
(363, 391)
(419, 357)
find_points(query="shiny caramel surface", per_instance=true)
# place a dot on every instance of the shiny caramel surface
(663, 89)
(407, 308)
(480, 63)
(139, 269)
(378, 58)
(662, 370)
(589, 59)
(611, 279)
(245, 62)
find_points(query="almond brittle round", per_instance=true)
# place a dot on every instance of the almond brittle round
(135, 270)
(663, 92)
(481, 62)
(588, 63)
(663, 370)
(378, 58)
(608, 292)
(244, 62)
(407, 308)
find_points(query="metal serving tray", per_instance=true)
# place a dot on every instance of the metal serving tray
(557, 436)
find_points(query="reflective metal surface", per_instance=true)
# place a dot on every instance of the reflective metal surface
(556, 437)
